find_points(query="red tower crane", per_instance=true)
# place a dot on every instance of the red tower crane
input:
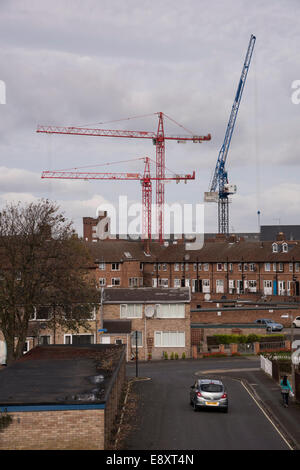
(146, 181)
(158, 139)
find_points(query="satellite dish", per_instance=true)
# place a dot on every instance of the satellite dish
(149, 311)
(207, 297)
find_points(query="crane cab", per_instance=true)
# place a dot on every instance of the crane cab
(230, 188)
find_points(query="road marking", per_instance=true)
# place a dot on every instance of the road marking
(218, 371)
(273, 424)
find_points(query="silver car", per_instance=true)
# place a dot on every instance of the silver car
(209, 393)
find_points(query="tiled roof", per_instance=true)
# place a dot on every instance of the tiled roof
(145, 295)
(217, 251)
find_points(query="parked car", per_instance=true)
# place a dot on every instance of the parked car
(296, 322)
(209, 393)
(271, 325)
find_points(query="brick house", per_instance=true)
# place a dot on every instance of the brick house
(161, 318)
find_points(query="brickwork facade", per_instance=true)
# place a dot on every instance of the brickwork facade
(55, 430)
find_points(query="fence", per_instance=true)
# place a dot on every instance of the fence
(272, 346)
(266, 365)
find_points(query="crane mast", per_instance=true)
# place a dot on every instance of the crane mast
(220, 177)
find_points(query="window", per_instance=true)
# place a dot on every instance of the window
(177, 283)
(252, 267)
(141, 266)
(186, 266)
(163, 282)
(195, 266)
(135, 282)
(225, 266)
(115, 281)
(176, 267)
(274, 267)
(240, 266)
(136, 335)
(275, 248)
(164, 266)
(170, 311)
(219, 266)
(205, 266)
(284, 247)
(280, 267)
(169, 339)
(44, 340)
(267, 266)
(119, 341)
(245, 266)
(199, 266)
(127, 254)
(102, 281)
(43, 313)
(230, 267)
(102, 266)
(297, 266)
(154, 282)
(131, 311)
(115, 266)
(290, 267)
(79, 339)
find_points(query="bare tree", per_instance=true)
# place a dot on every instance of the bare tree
(42, 262)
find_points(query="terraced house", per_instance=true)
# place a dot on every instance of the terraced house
(229, 281)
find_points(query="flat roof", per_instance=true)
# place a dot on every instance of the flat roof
(60, 375)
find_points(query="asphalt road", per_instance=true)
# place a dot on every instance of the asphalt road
(166, 421)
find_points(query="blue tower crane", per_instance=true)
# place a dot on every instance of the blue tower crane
(220, 177)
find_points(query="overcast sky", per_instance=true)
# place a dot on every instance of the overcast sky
(69, 62)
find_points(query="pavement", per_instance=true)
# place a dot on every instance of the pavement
(268, 395)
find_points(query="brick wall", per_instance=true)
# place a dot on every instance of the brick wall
(241, 316)
(149, 325)
(54, 430)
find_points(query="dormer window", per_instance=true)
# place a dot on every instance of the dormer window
(284, 248)
(275, 248)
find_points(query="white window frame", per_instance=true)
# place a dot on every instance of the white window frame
(102, 281)
(170, 310)
(176, 267)
(267, 267)
(284, 248)
(274, 248)
(220, 286)
(169, 339)
(115, 266)
(102, 266)
(177, 282)
(137, 311)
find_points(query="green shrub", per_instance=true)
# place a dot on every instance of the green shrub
(172, 356)
(176, 356)
(183, 355)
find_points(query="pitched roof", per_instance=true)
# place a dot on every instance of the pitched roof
(145, 295)
(215, 251)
